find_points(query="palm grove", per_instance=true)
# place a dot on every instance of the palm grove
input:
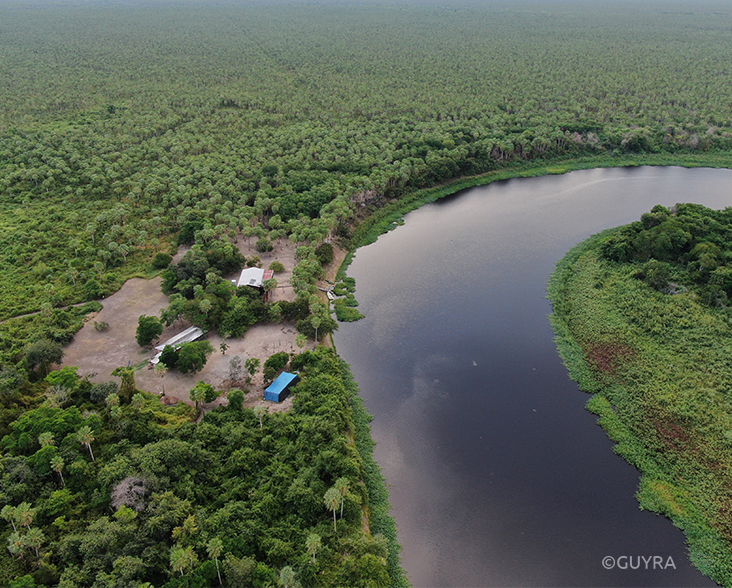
(128, 130)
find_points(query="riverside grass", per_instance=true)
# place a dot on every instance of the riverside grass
(658, 368)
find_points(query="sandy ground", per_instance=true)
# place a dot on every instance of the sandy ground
(98, 354)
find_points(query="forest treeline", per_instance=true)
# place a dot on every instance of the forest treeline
(129, 130)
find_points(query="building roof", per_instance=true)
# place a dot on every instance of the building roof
(251, 276)
(282, 382)
(190, 334)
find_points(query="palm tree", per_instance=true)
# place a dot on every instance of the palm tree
(24, 514)
(181, 558)
(8, 513)
(33, 538)
(16, 544)
(198, 395)
(341, 484)
(332, 498)
(287, 577)
(46, 438)
(215, 548)
(57, 465)
(313, 544)
(178, 559)
(259, 411)
(86, 437)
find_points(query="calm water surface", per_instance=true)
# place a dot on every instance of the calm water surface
(497, 474)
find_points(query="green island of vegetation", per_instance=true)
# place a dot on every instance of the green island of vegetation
(643, 323)
(131, 130)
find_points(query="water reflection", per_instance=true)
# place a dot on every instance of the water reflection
(497, 474)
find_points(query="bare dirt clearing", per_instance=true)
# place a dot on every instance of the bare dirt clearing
(97, 354)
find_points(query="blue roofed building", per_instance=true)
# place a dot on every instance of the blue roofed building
(278, 390)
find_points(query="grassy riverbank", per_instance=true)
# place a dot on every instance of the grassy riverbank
(649, 335)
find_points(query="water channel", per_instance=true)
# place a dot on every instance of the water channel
(497, 474)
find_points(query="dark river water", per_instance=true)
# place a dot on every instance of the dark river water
(497, 474)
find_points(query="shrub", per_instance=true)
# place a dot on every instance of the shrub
(274, 365)
(324, 253)
(161, 260)
(148, 328)
(276, 267)
(264, 245)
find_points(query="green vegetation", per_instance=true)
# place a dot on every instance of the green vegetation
(128, 130)
(112, 495)
(643, 323)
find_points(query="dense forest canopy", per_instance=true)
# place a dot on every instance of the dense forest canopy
(129, 129)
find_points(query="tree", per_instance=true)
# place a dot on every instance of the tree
(260, 410)
(223, 347)
(315, 322)
(160, 370)
(149, 328)
(236, 399)
(215, 548)
(252, 365)
(234, 369)
(42, 354)
(86, 437)
(57, 465)
(128, 387)
(313, 544)
(46, 438)
(169, 357)
(201, 392)
(287, 577)
(332, 499)
(8, 513)
(341, 484)
(192, 357)
(182, 558)
(34, 538)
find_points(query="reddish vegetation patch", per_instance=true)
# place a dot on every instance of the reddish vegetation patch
(609, 357)
(672, 435)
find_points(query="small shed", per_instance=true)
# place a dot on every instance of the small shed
(251, 276)
(188, 336)
(278, 390)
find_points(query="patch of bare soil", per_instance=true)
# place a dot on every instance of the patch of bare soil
(97, 354)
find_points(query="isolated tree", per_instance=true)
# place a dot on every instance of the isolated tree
(313, 544)
(332, 499)
(215, 548)
(149, 328)
(234, 369)
(252, 365)
(86, 437)
(160, 370)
